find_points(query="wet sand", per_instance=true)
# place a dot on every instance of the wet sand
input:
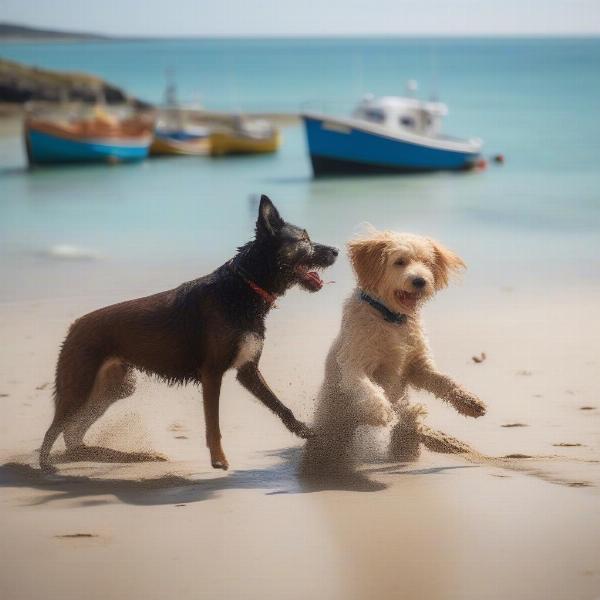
(465, 526)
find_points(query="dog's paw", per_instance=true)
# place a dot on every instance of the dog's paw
(380, 414)
(467, 404)
(220, 463)
(405, 442)
(301, 430)
(218, 460)
(47, 468)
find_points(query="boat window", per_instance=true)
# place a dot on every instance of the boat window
(374, 114)
(408, 122)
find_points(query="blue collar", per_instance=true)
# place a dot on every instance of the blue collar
(387, 314)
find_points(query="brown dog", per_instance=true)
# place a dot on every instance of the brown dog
(193, 333)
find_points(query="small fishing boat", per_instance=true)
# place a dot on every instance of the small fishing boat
(173, 136)
(101, 137)
(391, 134)
(245, 137)
(181, 141)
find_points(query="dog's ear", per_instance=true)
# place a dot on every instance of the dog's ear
(445, 264)
(368, 261)
(269, 221)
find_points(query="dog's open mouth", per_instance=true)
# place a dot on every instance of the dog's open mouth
(311, 280)
(407, 299)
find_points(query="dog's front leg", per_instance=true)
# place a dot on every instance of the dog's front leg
(211, 390)
(425, 377)
(251, 378)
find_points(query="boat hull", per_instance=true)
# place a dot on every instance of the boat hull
(162, 146)
(339, 147)
(49, 148)
(222, 143)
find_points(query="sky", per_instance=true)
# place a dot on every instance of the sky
(173, 18)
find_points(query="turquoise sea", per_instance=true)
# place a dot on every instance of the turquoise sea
(535, 219)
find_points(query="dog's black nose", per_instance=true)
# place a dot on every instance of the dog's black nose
(419, 282)
(334, 251)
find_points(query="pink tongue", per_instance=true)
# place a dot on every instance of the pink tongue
(312, 277)
(407, 300)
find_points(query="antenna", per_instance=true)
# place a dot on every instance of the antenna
(359, 72)
(433, 67)
(171, 87)
(411, 88)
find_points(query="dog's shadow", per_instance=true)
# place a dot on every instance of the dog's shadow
(285, 476)
(101, 454)
(166, 487)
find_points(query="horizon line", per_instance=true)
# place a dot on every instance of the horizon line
(55, 34)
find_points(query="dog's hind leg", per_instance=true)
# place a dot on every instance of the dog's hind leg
(51, 436)
(405, 439)
(211, 391)
(330, 451)
(115, 380)
(74, 382)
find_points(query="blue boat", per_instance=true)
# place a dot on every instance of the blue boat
(387, 135)
(90, 140)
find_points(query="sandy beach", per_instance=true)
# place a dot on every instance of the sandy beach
(515, 518)
(443, 527)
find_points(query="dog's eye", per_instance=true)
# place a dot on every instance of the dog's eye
(400, 262)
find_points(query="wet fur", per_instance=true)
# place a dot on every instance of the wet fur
(191, 334)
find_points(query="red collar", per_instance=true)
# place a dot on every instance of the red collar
(268, 297)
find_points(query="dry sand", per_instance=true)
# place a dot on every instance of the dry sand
(462, 527)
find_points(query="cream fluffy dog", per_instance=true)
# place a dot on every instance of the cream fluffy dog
(381, 349)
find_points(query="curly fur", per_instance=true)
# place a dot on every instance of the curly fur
(373, 362)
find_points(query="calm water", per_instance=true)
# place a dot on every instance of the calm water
(537, 218)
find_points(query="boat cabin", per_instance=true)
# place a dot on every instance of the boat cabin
(405, 114)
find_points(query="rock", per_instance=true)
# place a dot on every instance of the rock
(21, 83)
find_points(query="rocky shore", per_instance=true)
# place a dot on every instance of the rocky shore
(22, 83)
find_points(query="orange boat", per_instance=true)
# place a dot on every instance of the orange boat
(102, 137)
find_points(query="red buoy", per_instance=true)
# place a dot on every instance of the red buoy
(499, 158)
